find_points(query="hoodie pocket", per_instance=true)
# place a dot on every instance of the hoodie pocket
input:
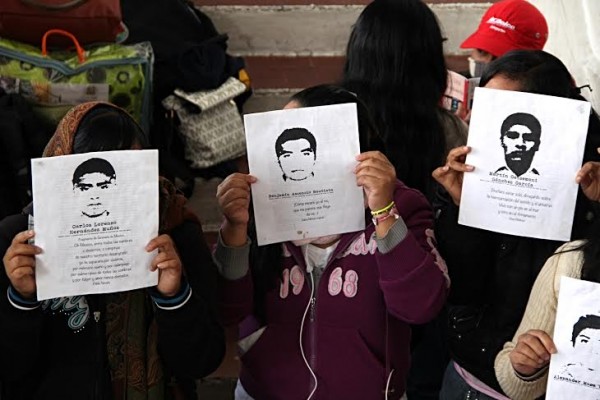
(349, 366)
(274, 366)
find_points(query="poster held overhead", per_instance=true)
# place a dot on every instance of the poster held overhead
(94, 215)
(303, 160)
(526, 150)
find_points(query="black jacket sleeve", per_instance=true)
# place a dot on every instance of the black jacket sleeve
(191, 342)
(469, 254)
(20, 330)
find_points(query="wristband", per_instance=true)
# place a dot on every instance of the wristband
(379, 218)
(383, 210)
(18, 302)
(175, 302)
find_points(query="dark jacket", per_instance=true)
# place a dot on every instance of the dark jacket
(47, 353)
(492, 275)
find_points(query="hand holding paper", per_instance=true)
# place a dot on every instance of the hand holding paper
(19, 262)
(532, 352)
(450, 176)
(168, 264)
(589, 179)
(377, 176)
(233, 196)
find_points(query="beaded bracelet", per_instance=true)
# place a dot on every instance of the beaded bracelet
(383, 210)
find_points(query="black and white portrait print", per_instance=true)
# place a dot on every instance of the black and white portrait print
(94, 215)
(303, 160)
(520, 137)
(296, 151)
(92, 181)
(575, 368)
(523, 163)
(586, 350)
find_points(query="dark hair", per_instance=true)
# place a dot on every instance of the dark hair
(266, 260)
(585, 322)
(525, 119)
(395, 64)
(542, 73)
(295, 134)
(106, 128)
(323, 95)
(92, 165)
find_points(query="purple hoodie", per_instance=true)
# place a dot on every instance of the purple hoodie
(356, 328)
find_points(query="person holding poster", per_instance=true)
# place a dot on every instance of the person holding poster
(329, 317)
(121, 346)
(395, 64)
(492, 274)
(522, 365)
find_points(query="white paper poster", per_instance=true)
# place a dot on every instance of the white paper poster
(575, 368)
(304, 159)
(94, 215)
(526, 150)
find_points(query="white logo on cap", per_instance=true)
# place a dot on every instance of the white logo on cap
(500, 23)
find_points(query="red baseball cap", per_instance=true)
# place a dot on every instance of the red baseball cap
(509, 25)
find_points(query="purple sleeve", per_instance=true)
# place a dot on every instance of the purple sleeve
(413, 276)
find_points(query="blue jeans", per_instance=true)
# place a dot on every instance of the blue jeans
(454, 387)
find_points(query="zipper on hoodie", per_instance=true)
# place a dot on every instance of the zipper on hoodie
(312, 325)
(312, 331)
(312, 309)
(96, 305)
(98, 356)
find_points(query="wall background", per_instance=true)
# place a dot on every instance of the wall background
(293, 44)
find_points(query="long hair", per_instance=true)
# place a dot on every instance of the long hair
(590, 270)
(395, 64)
(267, 260)
(107, 128)
(542, 73)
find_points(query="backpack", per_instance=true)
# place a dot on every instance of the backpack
(190, 55)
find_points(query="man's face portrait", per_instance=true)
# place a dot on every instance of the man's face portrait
(586, 341)
(296, 154)
(92, 181)
(520, 139)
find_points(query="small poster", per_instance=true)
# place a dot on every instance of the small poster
(575, 368)
(526, 150)
(303, 160)
(458, 97)
(94, 215)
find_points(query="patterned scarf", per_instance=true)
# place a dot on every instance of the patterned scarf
(131, 331)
